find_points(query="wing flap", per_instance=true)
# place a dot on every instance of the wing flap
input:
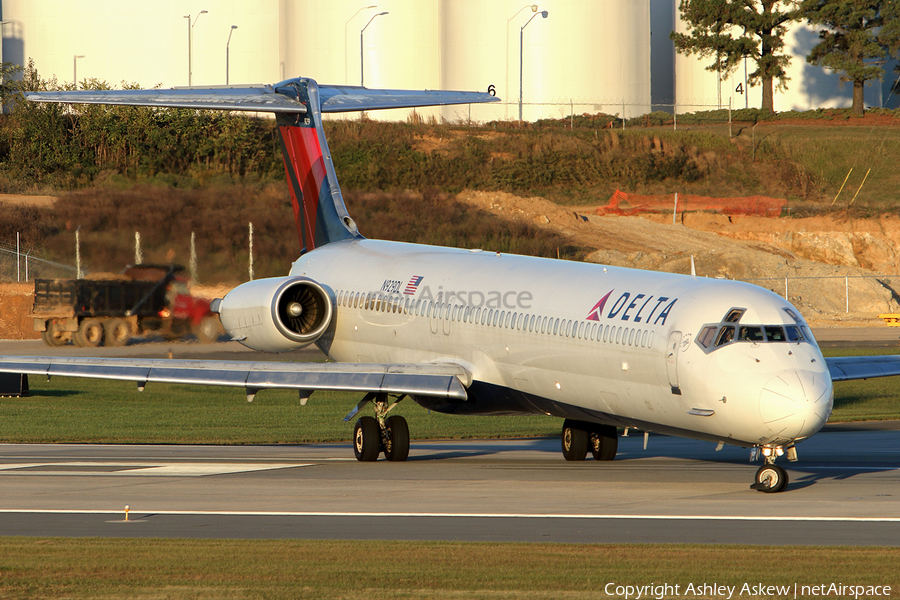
(433, 380)
(849, 368)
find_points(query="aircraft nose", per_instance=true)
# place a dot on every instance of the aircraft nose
(796, 404)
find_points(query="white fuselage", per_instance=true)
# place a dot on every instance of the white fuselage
(583, 341)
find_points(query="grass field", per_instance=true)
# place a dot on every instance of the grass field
(89, 411)
(200, 569)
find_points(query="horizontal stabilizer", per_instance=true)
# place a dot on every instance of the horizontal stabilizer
(338, 98)
(251, 98)
(278, 98)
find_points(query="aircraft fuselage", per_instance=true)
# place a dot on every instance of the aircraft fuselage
(601, 344)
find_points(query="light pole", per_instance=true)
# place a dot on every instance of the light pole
(543, 13)
(75, 69)
(346, 58)
(233, 27)
(190, 42)
(361, 31)
(533, 8)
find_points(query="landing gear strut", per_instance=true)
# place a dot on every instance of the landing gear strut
(578, 437)
(373, 435)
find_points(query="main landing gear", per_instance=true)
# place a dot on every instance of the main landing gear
(374, 435)
(579, 436)
(770, 478)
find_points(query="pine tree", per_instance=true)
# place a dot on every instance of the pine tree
(729, 31)
(859, 36)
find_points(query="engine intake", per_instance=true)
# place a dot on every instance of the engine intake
(277, 314)
(302, 311)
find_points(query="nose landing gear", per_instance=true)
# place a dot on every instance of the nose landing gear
(770, 478)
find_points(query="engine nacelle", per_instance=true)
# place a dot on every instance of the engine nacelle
(277, 314)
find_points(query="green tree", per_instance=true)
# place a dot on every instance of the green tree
(730, 30)
(859, 36)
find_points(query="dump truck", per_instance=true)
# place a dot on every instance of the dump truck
(143, 299)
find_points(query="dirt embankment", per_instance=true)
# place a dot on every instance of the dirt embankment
(832, 267)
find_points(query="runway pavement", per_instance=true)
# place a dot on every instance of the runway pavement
(844, 490)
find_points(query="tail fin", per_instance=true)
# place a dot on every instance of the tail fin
(319, 209)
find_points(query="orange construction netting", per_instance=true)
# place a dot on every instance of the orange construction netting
(622, 203)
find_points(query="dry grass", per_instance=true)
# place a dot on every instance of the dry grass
(176, 569)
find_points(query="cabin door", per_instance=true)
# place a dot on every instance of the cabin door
(672, 361)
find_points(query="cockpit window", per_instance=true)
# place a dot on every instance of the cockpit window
(775, 333)
(734, 315)
(793, 333)
(729, 330)
(726, 336)
(707, 335)
(749, 333)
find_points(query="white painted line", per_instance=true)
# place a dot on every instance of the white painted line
(462, 515)
(105, 469)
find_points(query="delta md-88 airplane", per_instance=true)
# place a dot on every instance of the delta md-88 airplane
(477, 332)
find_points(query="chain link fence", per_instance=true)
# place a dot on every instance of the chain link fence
(25, 264)
(837, 294)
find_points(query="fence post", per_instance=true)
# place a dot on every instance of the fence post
(786, 289)
(251, 251)
(193, 264)
(847, 293)
(78, 274)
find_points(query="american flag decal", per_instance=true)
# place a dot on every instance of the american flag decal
(413, 285)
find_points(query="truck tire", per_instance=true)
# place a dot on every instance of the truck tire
(116, 332)
(55, 336)
(90, 333)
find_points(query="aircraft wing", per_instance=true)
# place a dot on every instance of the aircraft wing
(432, 380)
(848, 368)
(265, 98)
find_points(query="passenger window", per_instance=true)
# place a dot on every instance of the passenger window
(496, 315)
(556, 327)
(726, 336)
(618, 335)
(706, 337)
(775, 334)
(750, 334)
(581, 330)
(644, 339)
(605, 333)
(631, 337)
